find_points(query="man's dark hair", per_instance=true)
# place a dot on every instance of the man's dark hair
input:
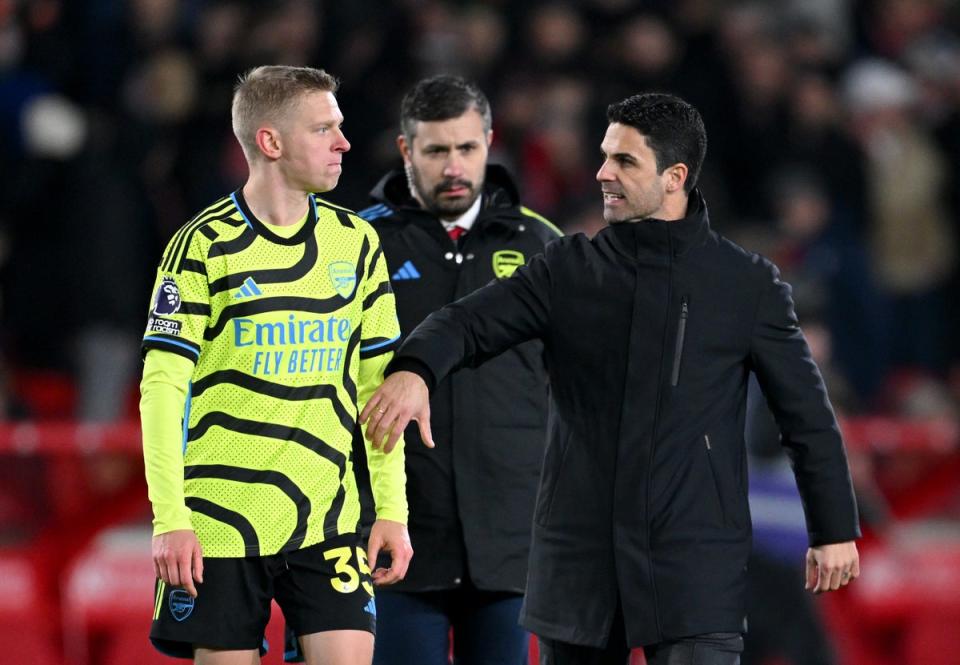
(673, 128)
(441, 98)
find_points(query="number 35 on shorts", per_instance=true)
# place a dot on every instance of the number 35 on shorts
(349, 575)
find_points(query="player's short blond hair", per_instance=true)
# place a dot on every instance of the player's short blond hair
(267, 94)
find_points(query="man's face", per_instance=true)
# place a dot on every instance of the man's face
(446, 162)
(313, 143)
(631, 187)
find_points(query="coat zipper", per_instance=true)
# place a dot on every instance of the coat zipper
(678, 352)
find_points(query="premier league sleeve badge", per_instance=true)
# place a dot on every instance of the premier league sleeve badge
(167, 299)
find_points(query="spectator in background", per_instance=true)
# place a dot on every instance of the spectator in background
(553, 152)
(820, 255)
(763, 74)
(910, 230)
(935, 61)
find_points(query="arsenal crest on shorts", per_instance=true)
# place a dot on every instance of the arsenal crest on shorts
(167, 298)
(181, 604)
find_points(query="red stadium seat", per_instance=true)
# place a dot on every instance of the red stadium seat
(108, 603)
(26, 631)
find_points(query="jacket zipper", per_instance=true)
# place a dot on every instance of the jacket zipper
(678, 352)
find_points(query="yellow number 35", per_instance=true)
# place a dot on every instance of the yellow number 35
(348, 579)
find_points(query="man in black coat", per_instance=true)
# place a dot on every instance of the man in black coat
(651, 330)
(449, 224)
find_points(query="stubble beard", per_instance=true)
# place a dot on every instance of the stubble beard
(643, 209)
(431, 200)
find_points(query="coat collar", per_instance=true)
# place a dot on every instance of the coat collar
(499, 192)
(657, 239)
(499, 204)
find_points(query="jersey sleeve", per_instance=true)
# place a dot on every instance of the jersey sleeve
(380, 334)
(180, 304)
(388, 478)
(163, 398)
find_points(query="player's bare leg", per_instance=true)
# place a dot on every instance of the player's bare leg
(202, 656)
(338, 647)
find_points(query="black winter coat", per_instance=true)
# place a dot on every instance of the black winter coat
(651, 330)
(472, 500)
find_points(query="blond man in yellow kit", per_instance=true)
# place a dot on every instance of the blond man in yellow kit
(271, 323)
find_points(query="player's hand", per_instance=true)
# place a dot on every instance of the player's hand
(178, 559)
(402, 397)
(830, 567)
(391, 537)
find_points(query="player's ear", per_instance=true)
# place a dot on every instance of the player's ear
(489, 137)
(269, 142)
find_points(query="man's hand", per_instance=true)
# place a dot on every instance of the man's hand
(178, 559)
(402, 397)
(391, 537)
(830, 567)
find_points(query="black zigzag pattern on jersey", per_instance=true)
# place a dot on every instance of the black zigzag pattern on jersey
(251, 543)
(209, 233)
(332, 206)
(176, 243)
(223, 217)
(333, 514)
(361, 471)
(372, 270)
(345, 219)
(255, 476)
(273, 275)
(382, 290)
(192, 265)
(348, 382)
(270, 389)
(271, 431)
(220, 210)
(194, 308)
(313, 305)
(234, 245)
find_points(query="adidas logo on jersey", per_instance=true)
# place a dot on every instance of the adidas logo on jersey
(407, 271)
(248, 290)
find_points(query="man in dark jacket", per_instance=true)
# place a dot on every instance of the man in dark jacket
(448, 225)
(650, 330)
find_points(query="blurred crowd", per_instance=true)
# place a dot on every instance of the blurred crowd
(834, 132)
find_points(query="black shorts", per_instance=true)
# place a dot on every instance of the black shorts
(320, 588)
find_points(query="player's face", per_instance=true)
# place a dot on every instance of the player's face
(631, 187)
(446, 162)
(313, 143)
